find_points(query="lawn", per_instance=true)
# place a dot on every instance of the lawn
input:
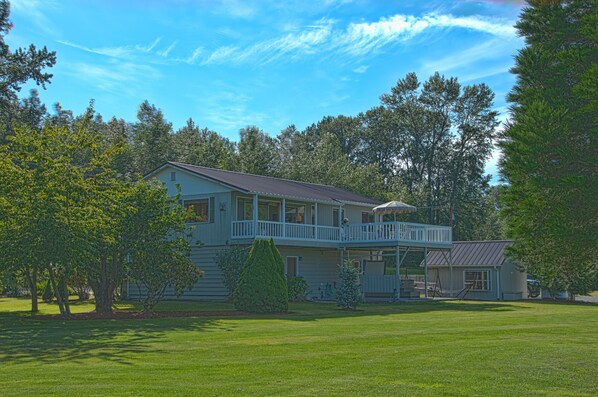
(447, 348)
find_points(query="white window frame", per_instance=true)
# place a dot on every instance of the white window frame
(488, 279)
(286, 265)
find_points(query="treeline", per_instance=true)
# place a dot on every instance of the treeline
(425, 144)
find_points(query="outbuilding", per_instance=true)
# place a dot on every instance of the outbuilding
(477, 270)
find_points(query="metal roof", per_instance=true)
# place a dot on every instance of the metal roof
(472, 253)
(265, 185)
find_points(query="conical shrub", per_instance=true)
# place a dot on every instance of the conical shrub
(262, 287)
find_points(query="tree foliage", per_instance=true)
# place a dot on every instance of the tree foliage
(262, 287)
(230, 261)
(16, 68)
(348, 293)
(551, 145)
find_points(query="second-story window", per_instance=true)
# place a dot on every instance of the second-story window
(200, 210)
(367, 217)
(244, 209)
(295, 213)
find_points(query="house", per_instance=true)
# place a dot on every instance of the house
(479, 270)
(315, 227)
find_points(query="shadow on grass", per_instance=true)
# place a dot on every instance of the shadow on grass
(27, 340)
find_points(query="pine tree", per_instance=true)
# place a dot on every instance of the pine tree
(551, 145)
(262, 288)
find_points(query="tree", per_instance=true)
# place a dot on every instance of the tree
(203, 147)
(158, 245)
(262, 287)
(151, 139)
(444, 135)
(16, 68)
(45, 191)
(257, 152)
(550, 146)
(325, 163)
(348, 294)
(230, 261)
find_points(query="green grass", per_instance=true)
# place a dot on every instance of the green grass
(447, 348)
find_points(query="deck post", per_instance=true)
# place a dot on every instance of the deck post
(316, 220)
(426, 272)
(255, 204)
(398, 271)
(451, 271)
(284, 217)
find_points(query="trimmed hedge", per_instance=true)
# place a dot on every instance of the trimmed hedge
(262, 287)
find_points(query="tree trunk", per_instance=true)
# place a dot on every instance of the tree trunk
(33, 289)
(32, 281)
(103, 290)
(56, 290)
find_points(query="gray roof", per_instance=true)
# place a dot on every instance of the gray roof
(270, 186)
(472, 253)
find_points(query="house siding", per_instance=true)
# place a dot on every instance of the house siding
(209, 288)
(512, 282)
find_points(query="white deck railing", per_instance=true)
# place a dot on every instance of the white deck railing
(359, 233)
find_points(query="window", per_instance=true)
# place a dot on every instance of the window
(335, 216)
(367, 217)
(295, 213)
(173, 176)
(244, 209)
(268, 211)
(477, 280)
(292, 266)
(199, 208)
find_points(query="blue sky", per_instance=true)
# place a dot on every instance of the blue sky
(232, 63)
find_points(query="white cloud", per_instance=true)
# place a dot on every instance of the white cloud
(361, 69)
(115, 77)
(115, 52)
(356, 39)
(33, 9)
(164, 53)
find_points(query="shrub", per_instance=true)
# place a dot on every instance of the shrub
(231, 261)
(262, 288)
(348, 293)
(297, 287)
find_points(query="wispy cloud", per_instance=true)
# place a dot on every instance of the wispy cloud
(114, 77)
(497, 48)
(34, 10)
(325, 36)
(356, 39)
(164, 53)
(361, 69)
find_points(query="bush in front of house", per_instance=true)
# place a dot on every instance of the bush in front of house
(230, 261)
(348, 293)
(297, 289)
(262, 288)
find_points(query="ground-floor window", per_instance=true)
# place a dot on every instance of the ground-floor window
(292, 266)
(477, 280)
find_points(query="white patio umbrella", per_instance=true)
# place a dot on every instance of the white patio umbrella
(394, 207)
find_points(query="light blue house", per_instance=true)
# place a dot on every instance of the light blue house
(314, 226)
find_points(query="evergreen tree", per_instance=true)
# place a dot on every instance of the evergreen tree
(16, 68)
(151, 139)
(261, 287)
(551, 145)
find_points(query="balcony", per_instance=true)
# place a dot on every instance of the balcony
(362, 233)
